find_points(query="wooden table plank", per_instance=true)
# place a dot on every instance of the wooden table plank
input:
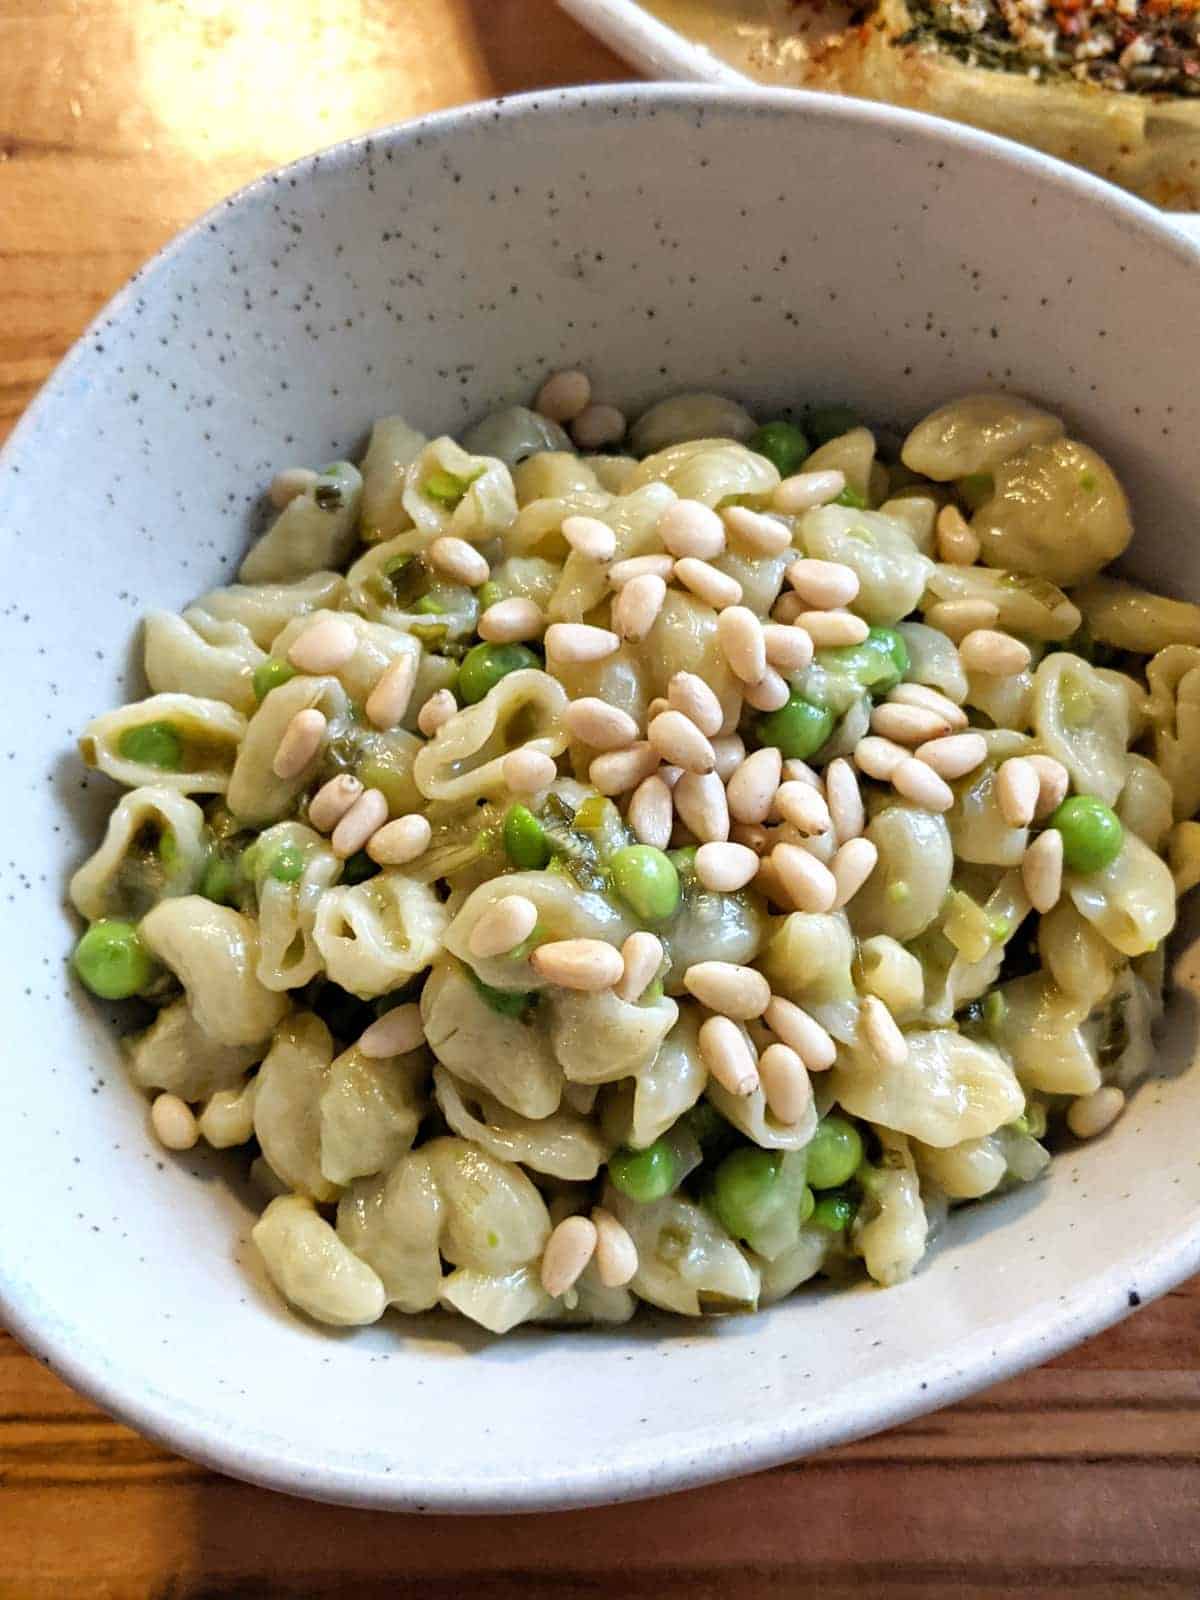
(120, 120)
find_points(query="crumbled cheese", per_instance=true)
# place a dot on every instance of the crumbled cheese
(1099, 44)
(1136, 54)
(1041, 41)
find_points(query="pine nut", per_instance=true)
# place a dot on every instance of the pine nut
(656, 708)
(368, 814)
(726, 1053)
(1042, 870)
(590, 537)
(568, 1249)
(789, 646)
(807, 882)
(918, 782)
(770, 693)
(738, 992)
(785, 1083)
(324, 646)
(436, 711)
(997, 654)
(584, 964)
(803, 1033)
(459, 560)
(398, 1032)
(636, 608)
(804, 490)
(597, 426)
(957, 545)
(641, 958)
(954, 755)
(740, 636)
(825, 585)
(766, 536)
(679, 741)
(804, 807)
(618, 771)
(690, 528)
(882, 1032)
(332, 801)
(638, 566)
(787, 609)
(753, 786)
(290, 484)
(570, 642)
(797, 771)
(725, 868)
(851, 867)
(651, 813)
(526, 771)
(707, 584)
(751, 834)
(399, 842)
(616, 1254)
(829, 630)
(878, 758)
(701, 806)
(302, 739)
(511, 621)
(388, 700)
(909, 725)
(594, 722)
(845, 799)
(1053, 783)
(919, 694)
(669, 775)
(1017, 789)
(957, 618)
(1092, 1113)
(503, 926)
(689, 694)
(173, 1122)
(730, 752)
(564, 395)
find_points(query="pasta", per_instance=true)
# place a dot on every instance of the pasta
(666, 876)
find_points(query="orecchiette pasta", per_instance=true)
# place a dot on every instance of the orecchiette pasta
(672, 905)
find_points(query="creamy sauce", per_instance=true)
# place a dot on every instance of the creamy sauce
(773, 41)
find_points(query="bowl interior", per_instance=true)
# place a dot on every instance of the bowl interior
(779, 247)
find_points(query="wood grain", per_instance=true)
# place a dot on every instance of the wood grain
(120, 120)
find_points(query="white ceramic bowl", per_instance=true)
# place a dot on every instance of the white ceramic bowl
(780, 247)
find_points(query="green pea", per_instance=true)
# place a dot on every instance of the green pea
(446, 488)
(220, 881)
(168, 848)
(646, 880)
(505, 1002)
(830, 422)
(1092, 834)
(878, 663)
(429, 606)
(798, 729)
(153, 744)
(743, 1189)
(684, 860)
(484, 665)
(834, 1212)
(287, 864)
(644, 1175)
(525, 841)
(834, 1153)
(851, 497)
(783, 444)
(488, 594)
(112, 961)
(270, 675)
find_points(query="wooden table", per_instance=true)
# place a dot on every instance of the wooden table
(121, 120)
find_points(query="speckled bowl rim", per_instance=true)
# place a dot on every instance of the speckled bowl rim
(721, 1451)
